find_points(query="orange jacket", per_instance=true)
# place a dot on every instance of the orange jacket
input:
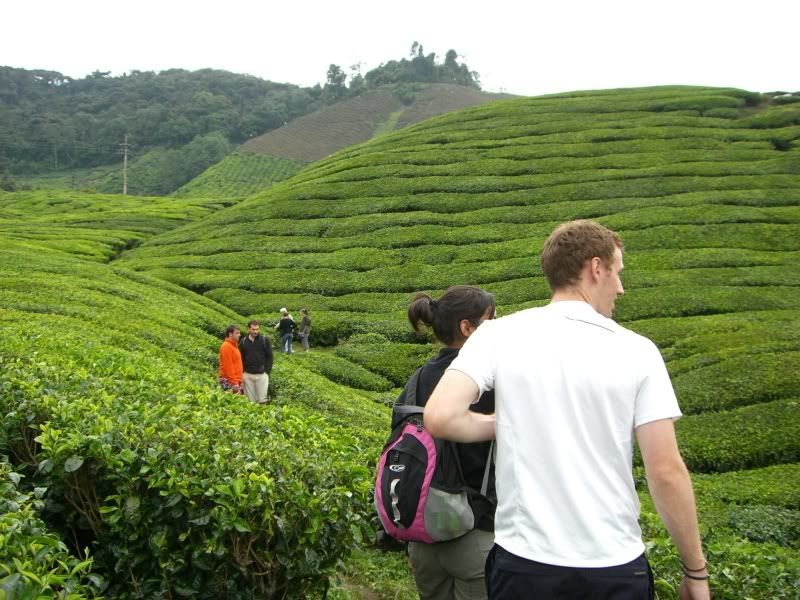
(230, 362)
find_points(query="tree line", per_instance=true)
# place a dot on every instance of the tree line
(50, 122)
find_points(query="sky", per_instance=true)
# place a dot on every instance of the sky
(525, 47)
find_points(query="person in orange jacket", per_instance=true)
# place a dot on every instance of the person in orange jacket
(230, 361)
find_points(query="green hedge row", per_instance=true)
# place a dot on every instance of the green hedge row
(175, 486)
(394, 361)
(547, 157)
(747, 378)
(753, 436)
(670, 332)
(239, 175)
(777, 485)
(96, 226)
(188, 491)
(345, 372)
(640, 215)
(34, 562)
(739, 568)
(766, 523)
(699, 349)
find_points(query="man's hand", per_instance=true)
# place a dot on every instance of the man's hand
(694, 589)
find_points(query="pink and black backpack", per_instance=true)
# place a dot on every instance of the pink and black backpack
(420, 492)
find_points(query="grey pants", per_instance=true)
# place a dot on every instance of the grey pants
(304, 340)
(256, 386)
(452, 570)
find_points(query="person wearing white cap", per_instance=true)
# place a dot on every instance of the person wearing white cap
(286, 326)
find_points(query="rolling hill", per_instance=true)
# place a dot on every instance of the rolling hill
(317, 135)
(703, 184)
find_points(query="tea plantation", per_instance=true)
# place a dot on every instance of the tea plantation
(238, 175)
(111, 310)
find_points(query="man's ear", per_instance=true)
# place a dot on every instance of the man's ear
(595, 267)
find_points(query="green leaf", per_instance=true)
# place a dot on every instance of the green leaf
(201, 520)
(241, 526)
(73, 463)
(132, 506)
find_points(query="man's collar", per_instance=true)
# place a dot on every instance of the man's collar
(580, 310)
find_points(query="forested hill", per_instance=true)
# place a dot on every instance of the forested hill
(52, 122)
(48, 120)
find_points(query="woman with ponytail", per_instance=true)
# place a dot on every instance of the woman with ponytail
(454, 570)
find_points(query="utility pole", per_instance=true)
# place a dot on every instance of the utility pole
(124, 150)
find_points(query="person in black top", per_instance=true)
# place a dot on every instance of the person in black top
(454, 570)
(287, 327)
(257, 357)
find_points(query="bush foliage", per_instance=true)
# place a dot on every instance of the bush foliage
(109, 398)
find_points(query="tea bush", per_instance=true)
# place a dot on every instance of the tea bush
(702, 183)
(238, 175)
(394, 361)
(34, 562)
(346, 372)
(777, 485)
(177, 487)
(754, 436)
(765, 523)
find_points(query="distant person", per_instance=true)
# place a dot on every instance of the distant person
(305, 328)
(257, 361)
(454, 570)
(287, 327)
(571, 389)
(230, 361)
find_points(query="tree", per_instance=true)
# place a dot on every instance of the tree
(334, 89)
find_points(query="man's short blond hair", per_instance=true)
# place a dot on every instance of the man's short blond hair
(570, 245)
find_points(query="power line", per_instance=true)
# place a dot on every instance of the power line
(124, 150)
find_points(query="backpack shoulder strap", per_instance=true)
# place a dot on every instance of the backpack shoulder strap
(408, 406)
(489, 461)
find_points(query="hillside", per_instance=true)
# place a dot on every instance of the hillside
(239, 175)
(704, 187)
(107, 366)
(319, 134)
(116, 441)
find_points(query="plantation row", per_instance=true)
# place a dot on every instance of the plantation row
(505, 203)
(175, 486)
(92, 225)
(239, 175)
(180, 489)
(519, 221)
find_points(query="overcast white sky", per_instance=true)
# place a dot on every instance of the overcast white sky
(525, 47)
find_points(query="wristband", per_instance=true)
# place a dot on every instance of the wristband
(703, 568)
(695, 577)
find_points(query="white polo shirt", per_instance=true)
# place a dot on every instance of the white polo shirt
(570, 388)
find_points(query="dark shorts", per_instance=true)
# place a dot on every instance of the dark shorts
(510, 577)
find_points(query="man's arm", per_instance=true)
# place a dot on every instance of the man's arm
(447, 414)
(226, 363)
(671, 489)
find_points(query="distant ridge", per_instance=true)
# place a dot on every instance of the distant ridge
(317, 135)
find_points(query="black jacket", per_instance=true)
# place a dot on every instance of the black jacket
(472, 456)
(256, 354)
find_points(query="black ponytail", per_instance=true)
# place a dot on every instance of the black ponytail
(444, 315)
